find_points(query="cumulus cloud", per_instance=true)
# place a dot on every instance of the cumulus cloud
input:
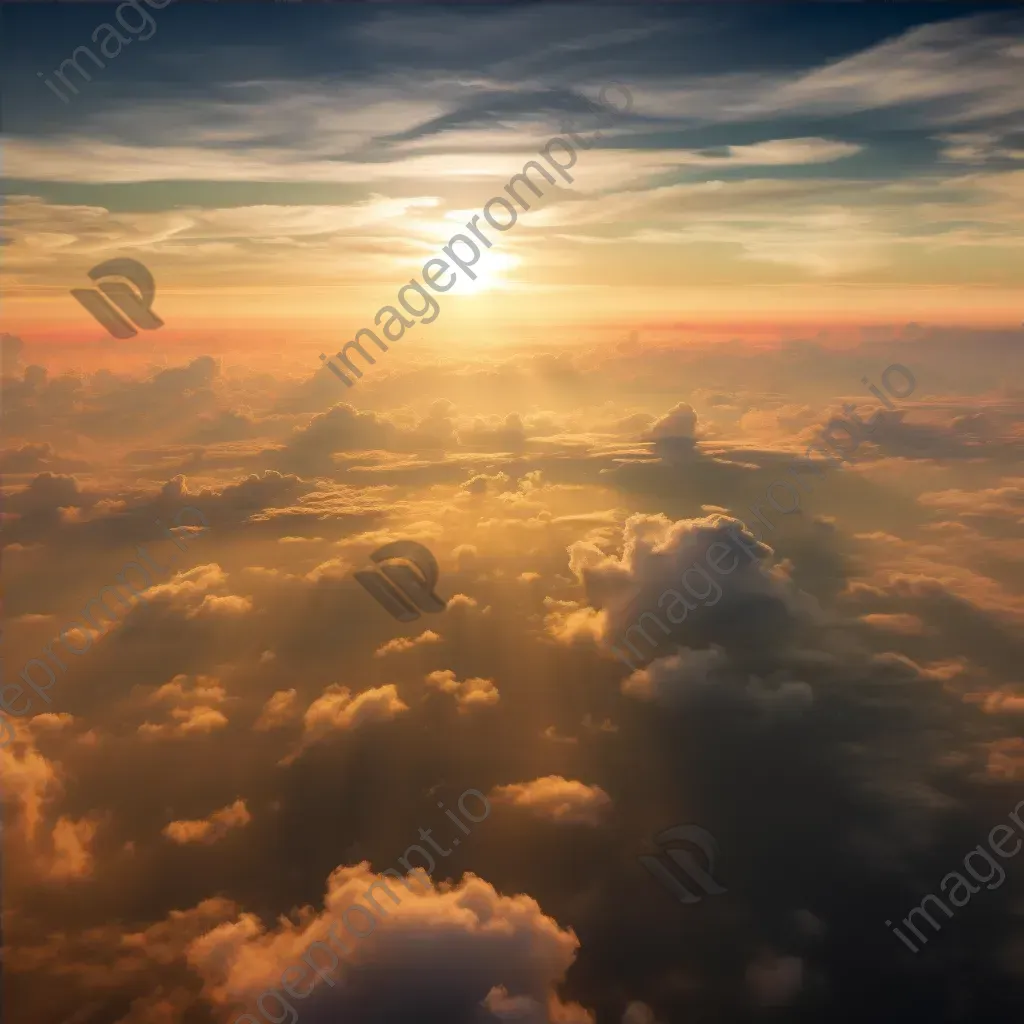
(500, 942)
(687, 583)
(676, 676)
(188, 589)
(200, 720)
(30, 780)
(337, 710)
(183, 690)
(483, 484)
(466, 556)
(51, 722)
(280, 709)
(468, 694)
(557, 799)
(37, 458)
(678, 424)
(229, 605)
(211, 829)
(72, 853)
(407, 643)
(710, 677)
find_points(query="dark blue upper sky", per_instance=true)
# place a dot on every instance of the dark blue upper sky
(892, 110)
(254, 41)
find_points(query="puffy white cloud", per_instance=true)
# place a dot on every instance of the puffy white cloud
(503, 945)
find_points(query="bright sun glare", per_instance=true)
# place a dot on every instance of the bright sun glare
(491, 271)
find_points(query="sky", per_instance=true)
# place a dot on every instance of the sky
(718, 457)
(281, 168)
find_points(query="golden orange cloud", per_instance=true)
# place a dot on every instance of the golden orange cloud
(557, 799)
(212, 829)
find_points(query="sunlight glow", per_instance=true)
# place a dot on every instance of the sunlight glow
(492, 272)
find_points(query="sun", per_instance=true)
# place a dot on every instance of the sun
(492, 270)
